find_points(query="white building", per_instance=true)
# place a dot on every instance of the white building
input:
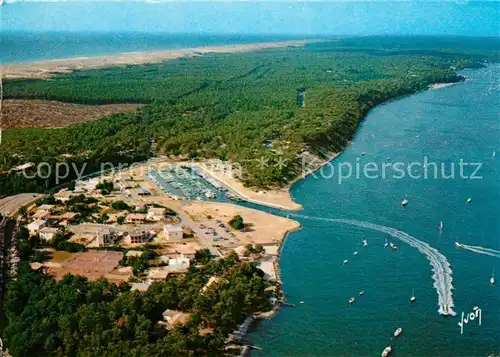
(35, 226)
(156, 214)
(172, 232)
(47, 233)
(179, 263)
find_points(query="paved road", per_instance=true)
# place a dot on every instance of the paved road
(9, 206)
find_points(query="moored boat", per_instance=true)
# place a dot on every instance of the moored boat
(469, 200)
(361, 293)
(346, 261)
(404, 202)
(355, 253)
(351, 300)
(365, 243)
(398, 332)
(492, 279)
(394, 246)
(413, 298)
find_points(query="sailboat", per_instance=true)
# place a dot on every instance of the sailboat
(492, 279)
(441, 225)
(413, 298)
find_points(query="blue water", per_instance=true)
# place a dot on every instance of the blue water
(446, 125)
(30, 46)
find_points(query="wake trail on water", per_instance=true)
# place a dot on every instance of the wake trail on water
(440, 265)
(481, 250)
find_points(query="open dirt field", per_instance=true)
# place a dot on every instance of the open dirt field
(19, 113)
(92, 265)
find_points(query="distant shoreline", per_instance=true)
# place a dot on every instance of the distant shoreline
(47, 68)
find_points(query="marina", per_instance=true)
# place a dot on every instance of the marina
(190, 183)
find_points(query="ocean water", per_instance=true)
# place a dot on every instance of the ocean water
(20, 47)
(446, 125)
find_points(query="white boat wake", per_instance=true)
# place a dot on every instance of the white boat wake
(481, 250)
(440, 266)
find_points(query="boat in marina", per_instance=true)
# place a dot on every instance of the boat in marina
(398, 332)
(413, 298)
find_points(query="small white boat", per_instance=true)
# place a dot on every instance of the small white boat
(387, 351)
(413, 298)
(404, 202)
(365, 243)
(301, 302)
(361, 293)
(388, 158)
(494, 154)
(351, 300)
(469, 200)
(458, 244)
(398, 332)
(355, 253)
(492, 279)
(346, 261)
(441, 225)
(386, 244)
(394, 246)
(363, 153)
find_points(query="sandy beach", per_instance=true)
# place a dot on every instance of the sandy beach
(441, 85)
(45, 69)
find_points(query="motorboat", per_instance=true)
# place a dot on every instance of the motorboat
(458, 244)
(469, 200)
(346, 261)
(386, 244)
(404, 202)
(394, 246)
(398, 332)
(387, 351)
(351, 300)
(413, 298)
(441, 225)
(492, 279)
(365, 243)
(361, 293)
(355, 253)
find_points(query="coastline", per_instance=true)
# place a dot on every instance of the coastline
(47, 68)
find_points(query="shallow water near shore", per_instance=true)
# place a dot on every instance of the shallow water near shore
(446, 125)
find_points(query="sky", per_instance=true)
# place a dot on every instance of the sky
(255, 17)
